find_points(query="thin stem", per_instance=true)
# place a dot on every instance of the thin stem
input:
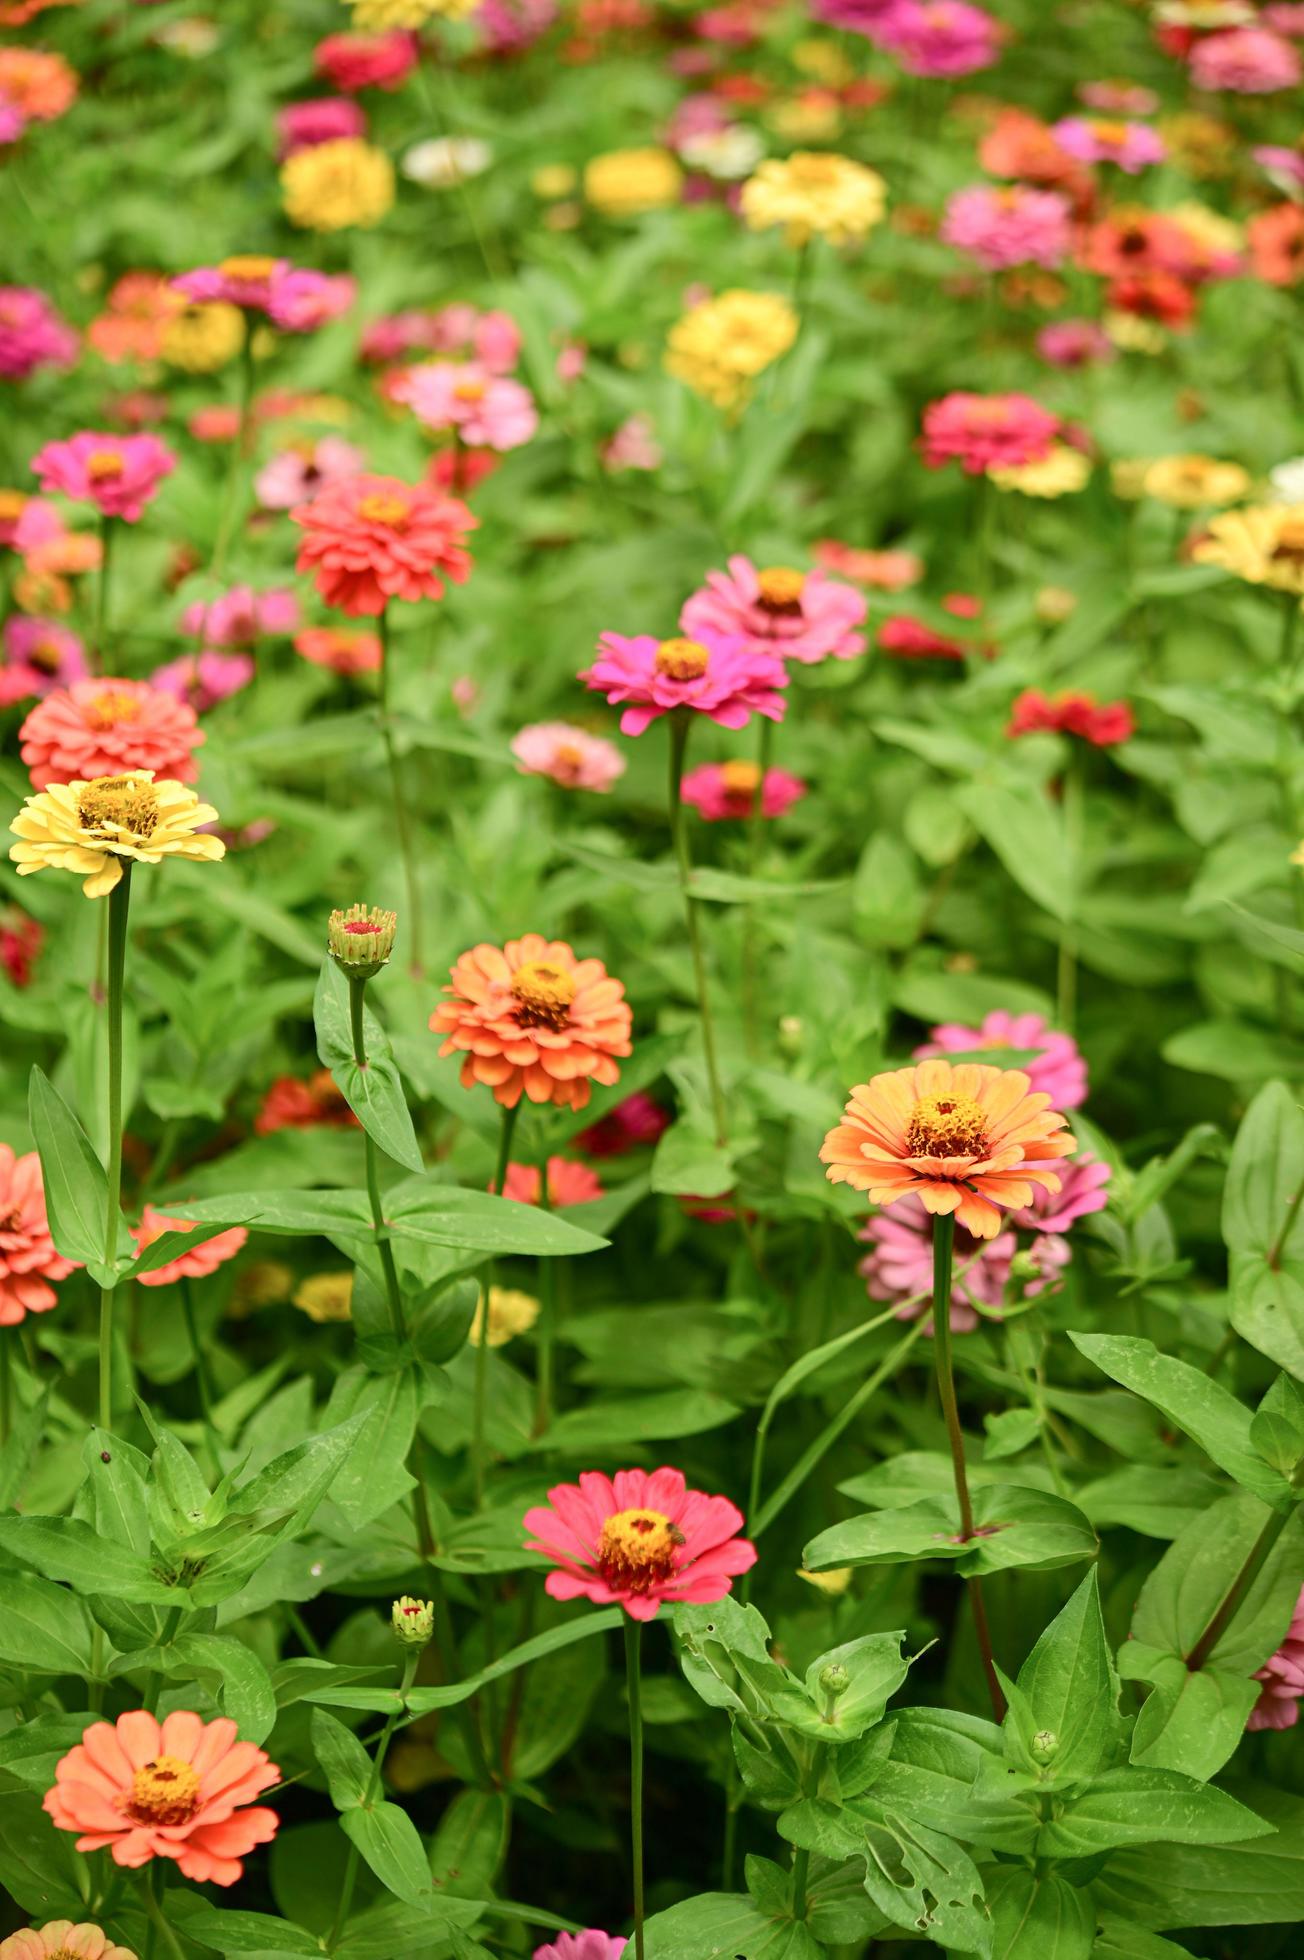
(393, 1291)
(943, 1252)
(1287, 1227)
(119, 905)
(154, 1681)
(1066, 1003)
(634, 1688)
(548, 1321)
(201, 1373)
(402, 822)
(102, 594)
(755, 835)
(1255, 1560)
(157, 1916)
(6, 1385)
(410, 1659)
(478, 1448)
(679, 726)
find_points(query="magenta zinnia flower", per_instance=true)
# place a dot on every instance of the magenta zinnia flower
(722, 678)
(588, 1945)
(900, 1266)
(32, 334)
(203, 679)
(638, 1539)
(1098, 139)
(46, 653)
(804, 616)
(1283, 1679)
(946, 37)
(1057, 1070)
(241, 617)
(118, 474)
(720, 791)
(978, 431)
(302, 125)
(1011, 226)
(488, 411)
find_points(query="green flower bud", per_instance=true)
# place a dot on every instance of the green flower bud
(834, 1680)
(1044, 1745)
(361, 940)
(413, 1621)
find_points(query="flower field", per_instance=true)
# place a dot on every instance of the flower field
(651, 1144)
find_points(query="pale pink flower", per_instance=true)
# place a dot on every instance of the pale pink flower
(900, 1267)
(724, 679)
(1057, 1069)
(633, 446)
(1097, 139)
(805, 616)
(1118, 98)
(1245, 61)
(940, 37)
(241, 617)
(571, 362)
(118, 474)
(294, 475)
(1010, 226)
(568, 755)
(488, 411)
(32, 334)
(496, 339)
(1074, 343)
(726, 791)
(1282, 1678)
(203, 679)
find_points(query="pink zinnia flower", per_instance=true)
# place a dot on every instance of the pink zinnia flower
(633, 446)
(883, 571)
(1118, 98)
(197, 1261)
(978, 431)
(903, 637)
(804, 616)
(302, 125)
(1284, 167)
(203, 679)
(59, 1939)
(302, 300)
(1074, 343)
(1245, 61)
(118, 474)
(724, 679)
(1282, 1678)
(509, 27)
(241, 617)
(634, 1123)
(900, 1266)
(724, 791)
(293, 475)
(105, 728)
(637, 1540)
(344, 649)
(568, 755)
(1057, 1070)
(589, 1945)
(1012, 226)
(569, 1183)
(370, 539)
(32, 334)
(946, 37)
(861, 16)
(28, 1260)
(488, 411)
(1082, 1191)
(45, 653)
(356, 61)
(1096, 139)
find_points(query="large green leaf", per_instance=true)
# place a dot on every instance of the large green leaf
(1263, 1225)
(76, 1189)
(375, 1092)
(1013, 1525)
(1039, 1916)
(1145, 1806)
(1069, 1690)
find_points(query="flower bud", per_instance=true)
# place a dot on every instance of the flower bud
(1044, 1745)
(413, 1621)
(792, 1035)
(834, 1680)
(361, 940)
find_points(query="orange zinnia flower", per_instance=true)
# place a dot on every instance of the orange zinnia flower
(968, 1138)
(533, 1020)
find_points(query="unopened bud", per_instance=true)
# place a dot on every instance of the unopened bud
(792, 1034)
(1044, 1745)
(413, 1621)
(1054, 604)
(361, 940)
(834, 1678)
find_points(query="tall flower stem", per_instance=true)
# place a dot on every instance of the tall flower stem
(634, 1689)
(1233, 1599)
(1066, 992)
(393, 1292)
(402, 821)
(943, 1253)
(755, 836)
(102, 594)
(202, 1382)
(548, 1322)
(119, 905)
(410, 1660)
(158, 1919)
(479, 1453)
(679, 726)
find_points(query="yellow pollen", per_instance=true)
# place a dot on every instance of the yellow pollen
(165, 1791)
(248, 266)
(780, 590)
(112, 707)
(543, 993)
(637, 1549)
(947, 1126)
(119, 807)
(102, 464)
(385, 510)
(469, 391)
(682, 660)
(740, 779)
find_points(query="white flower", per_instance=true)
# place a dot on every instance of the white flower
(1287, 481)
(728, 154)
(443, 161)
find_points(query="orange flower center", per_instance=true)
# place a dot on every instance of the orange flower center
(165, 1791)
(469, 391)
(102, 464)
(780, 590)
(543, 993)
(1290, 541)
(946, 1126)
(12, 503)
(111, 707)
(44, 656)
(120, 805)
(740, 779)
(637, 1550)
(567, 759)
(247, 266)
(391, 511)
(1109, 132)
(682, 660)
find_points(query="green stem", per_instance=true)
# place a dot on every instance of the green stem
(479, 1454)
(755, 835)
(119, 905)
(393, 1291)
(943, 1252)
(1255, 1560)
(1066, 1005)
(201, 1374)
(410, 1660)
(102, 593)
(402, 821)
(6, 1385)
(157, 1917)
(634, 1688)
(154, 1682)
(679, 727)
(543, 1399)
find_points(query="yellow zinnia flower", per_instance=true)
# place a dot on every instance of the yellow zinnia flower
(622, 183)
(91, 827)
(1194, 482)
(1065, 470)
(814, 194)
(510, 1314)
(333, 185)
(720, 346)
(371, 16)
(325, 1296)
(1263, 544)
(201, 339)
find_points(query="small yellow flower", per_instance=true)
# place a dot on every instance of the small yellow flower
(814, 194)
(720, 346)
(1061, 473)
(835, 1581)
(372, 16)
(1194, 482)
(1263, 544)
(200, 339)
(510, 1314)
(1054, 604)
(1208, 228)
(812, 116)
(824, 61)
(554, 180)
(90, 828)
(1134, 335)
(262, 1283)
(1198, 144)
(334, 185)
(623, 183)
(325, 1296)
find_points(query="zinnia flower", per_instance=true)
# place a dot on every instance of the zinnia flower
(1194, 482)
(1015, 226)
(107, 728)
(568, 755)
(638, 1539)
(725, 791)
(91, 827)
(721, 345)
(804, 616)
(325, 1297)
(39, 85)
(1057, 1071)
(47, 654)
(118, 474)
(335, 185)
(32, 334)
(978, 431)
(59, 1939)
(569, 1183)
(197, 1261)
(721, 678)
(203, 679)
(509, 1314)
(900, 1266)
(530, 1019)
(625, 183)
(633, 1123)
(301, 124)
(21, 940)
(1262, 544)
(28, 1260)
(882, 571)
(1276, 241)
(589, 1945)
(1282, 1678)
(371, 539)
(171, 1790)
(353, 62)
(814, 194)
(1129, 146)
(905, 638)
(294, 1105)
(1060, 473)
(940, 37)
(344, 649)
(240, 617)
(968, 1138)
(1074, 343)
(1245, 61)
(488, 411)
(294, 475)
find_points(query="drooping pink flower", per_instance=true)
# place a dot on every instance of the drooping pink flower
(32, 334)
(637, 1540)
(940, 37)
(203, 679)
(634, 1123)
(107, 728)
(295, 474)
(724, 679)
(568, 755)
(1282, 1678)
(1082, 1191)
(1057, 1069)
(45, 653)
(240, 617)
(118, 474)
(302, 125)
(726, 791)
(805, 616)
(28, 1260)
(978, 431)
(569, 1183)
(1245, 61)
(1074, 343)
(1013, 225)
(488, 411)
(589, 1945)
(1130, 146)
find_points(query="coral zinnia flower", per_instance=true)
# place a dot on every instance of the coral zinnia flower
(720, 677)
(103, 728)
(91, 827)
(293, 1105)
(61, 1940)
(371, 539)
(197, 1261)
(344, 649)
(28, 1260)
(637, 1540)
(569, 1183)
(1263, 544)
(802, 616)
(1276, 239)
(1102, 723)
(171, 1790)
(530, 1019)
(968, 1138)
(118, 474)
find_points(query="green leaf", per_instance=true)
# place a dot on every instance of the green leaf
(344, 1761)
(875, 1669)
(38, 1865)
(1263, 1225)
(421, 1701)
(374, 1093)
(1257, 1883)
(1013, 1526)
(1070, 1690)
(1039, 1916)
(1191, 1580)
(471, 1841)
(76, 1190)
(1277, 1430)
(392, 1847)
(1145, 1806)
(688, 1162)
(636, 1418)
(44, 1629)
(918, 1878)
(720, 1926)
(479, 1221)
(244, 1689)
(230, 1932)
(374, 1474)
(1026, 831)
(69, 1551)
(1191, 1722)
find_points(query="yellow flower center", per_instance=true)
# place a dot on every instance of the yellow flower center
(637, 1550)
(567, 759)
(102, 464)
(1109, 132)
(946, 1126)
(12, 503)
(44, 656)
(118, 806)
(543, 993)
(165, 1791)
(740, 779)
(682, 660)
(111, 707)
(469, 391)
(1290, 541)
(247, 266)
(385, 510)
(780, 590)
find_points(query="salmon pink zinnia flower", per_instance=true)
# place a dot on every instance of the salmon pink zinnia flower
(28, 1260)
(175, 1789)
(569, 1183)
(344, 649)
(291, 1104)
(107, 727)
(488, 411)
(197, 1261)
(568, 755)
(638, 1539)
(802, 616)
(370, 539)
(1098, 139)
(530, 1019)
(61, 1940)
(722, 678)
(1011, 226)
(978, 431)
(970, 1139)
(118, 474)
